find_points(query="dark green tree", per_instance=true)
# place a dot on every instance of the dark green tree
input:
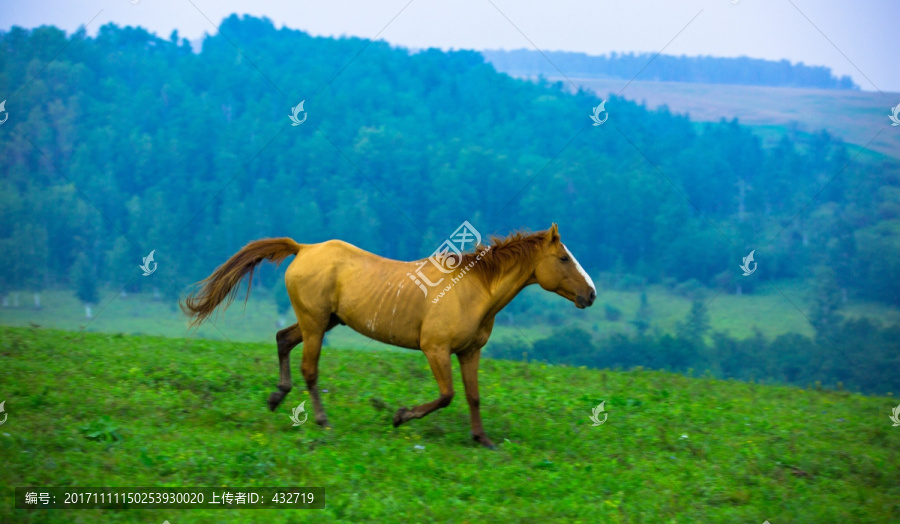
(643, 315)
(696, 325)
(84, 277)
(826, 300)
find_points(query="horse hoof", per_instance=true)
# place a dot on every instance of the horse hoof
(275, 400)
(484, 441)
(399, 416)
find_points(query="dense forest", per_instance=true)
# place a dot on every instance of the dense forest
(126, 143)
(668, 68)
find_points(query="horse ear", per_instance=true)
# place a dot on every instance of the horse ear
(552, 236)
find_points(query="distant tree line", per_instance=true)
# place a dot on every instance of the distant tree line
(857, 354)
(126, 143)
(668, 68)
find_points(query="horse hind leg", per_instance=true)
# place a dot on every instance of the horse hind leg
(312, 349)
(287, 339)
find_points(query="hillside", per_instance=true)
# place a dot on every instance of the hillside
(674, 449)
(855, 116)
(399, 149)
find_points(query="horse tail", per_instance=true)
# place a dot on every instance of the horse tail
(221, 285)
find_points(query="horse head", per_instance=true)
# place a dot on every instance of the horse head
(559, 272)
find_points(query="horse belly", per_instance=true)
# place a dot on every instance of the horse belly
(402, 340)
(388, 321)
(386, 332)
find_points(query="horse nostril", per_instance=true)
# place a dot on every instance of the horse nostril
(593, 296)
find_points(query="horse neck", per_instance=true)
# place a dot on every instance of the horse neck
(509, 283)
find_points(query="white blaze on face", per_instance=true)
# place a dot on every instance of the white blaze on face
(581, 270)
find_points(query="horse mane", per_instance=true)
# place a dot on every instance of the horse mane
(504, 252)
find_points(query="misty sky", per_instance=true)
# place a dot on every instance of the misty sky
(852, 38)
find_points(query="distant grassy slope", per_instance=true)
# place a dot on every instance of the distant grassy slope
(766, 310)
(855, 116)
(673, 449)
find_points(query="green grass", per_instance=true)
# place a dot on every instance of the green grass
(192, 412)
(739, 316)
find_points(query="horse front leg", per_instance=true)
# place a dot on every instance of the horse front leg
(468, 366)
(439, 360)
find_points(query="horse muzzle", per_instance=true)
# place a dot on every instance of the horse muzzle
(582, 302)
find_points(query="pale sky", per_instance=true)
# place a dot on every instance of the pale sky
(852, 38)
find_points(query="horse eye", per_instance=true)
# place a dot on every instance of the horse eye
(564, 258)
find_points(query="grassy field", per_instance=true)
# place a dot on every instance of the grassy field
(181, 412)
(766, 310)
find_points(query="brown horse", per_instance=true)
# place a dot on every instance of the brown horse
(336, 283)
